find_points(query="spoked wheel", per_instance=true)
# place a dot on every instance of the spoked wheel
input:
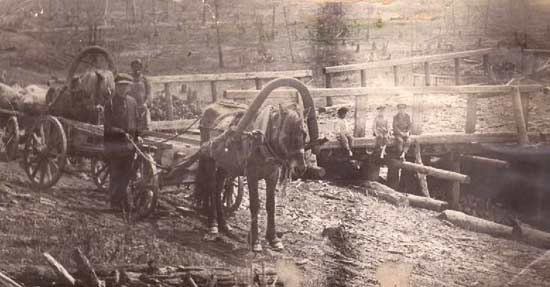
(232, 194)
(45, 152)
(100, 174)
(143, 190)
(10, 139)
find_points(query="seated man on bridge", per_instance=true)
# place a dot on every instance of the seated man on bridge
(402, 125)
(121, 120)
(342, 132)
(380, 131)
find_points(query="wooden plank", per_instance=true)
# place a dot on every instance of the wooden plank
(430, 171)
(457, 71)
(495, 90)
(229, 76)
(169, 104)
(213, 91)
(520, 119)
(444, 138)
(471, 114)
(328, 85)
(172, 125)
(408, 61)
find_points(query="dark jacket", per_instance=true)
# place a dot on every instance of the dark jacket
(401, 124)
(121, 118)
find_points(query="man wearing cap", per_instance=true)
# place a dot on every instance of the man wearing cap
(121, 120)
(380, 131)
(141, 92)
(401, 130)
(342, 132)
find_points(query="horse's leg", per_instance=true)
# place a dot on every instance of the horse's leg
(254, 209)
(207, 172)
(271, 233)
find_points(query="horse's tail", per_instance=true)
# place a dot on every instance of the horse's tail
(203, 192)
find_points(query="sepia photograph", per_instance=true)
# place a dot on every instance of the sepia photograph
(288, 143)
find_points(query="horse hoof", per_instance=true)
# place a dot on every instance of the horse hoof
(257, 247)
(213, 230)
(276, 245)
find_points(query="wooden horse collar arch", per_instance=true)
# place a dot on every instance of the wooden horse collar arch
(309, 107)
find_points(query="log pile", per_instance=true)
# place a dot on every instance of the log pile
(145, 275)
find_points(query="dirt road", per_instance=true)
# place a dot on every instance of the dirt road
(334, 235)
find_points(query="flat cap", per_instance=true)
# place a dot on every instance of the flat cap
(401, 106)
(123, 78)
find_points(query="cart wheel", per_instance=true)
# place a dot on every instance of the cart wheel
(143, 190)
(45, 152)
(100, 174)
(10, 139)
(232, 200)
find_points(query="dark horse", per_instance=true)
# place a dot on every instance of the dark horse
(257, 144)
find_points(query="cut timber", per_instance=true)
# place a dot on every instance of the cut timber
(230, 76)
(531, 236)
(6, 281)
(86, 270)
(523, 138)
(476, 224)
(496, 163)
(61, 272)
(422, 181)
(485, 90)
(431, 171)
(401, 199)
(409, 60)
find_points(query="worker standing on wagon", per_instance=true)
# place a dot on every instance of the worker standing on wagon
(141, 92)
(121, 120)
(342, 132)
(380, 131)
(401, 130)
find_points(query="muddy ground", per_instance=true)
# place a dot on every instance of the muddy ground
(334, 236)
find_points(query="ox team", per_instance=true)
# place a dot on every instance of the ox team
(126, 115)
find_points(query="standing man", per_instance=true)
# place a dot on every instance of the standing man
(121, 119)
(380, 131)
(401, 130)
(141, 92)
(342, 132)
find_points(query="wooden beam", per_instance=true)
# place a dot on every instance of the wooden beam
(496, 163)
(172, 125)
(457, 71)
(213, 91)
(169, 104)
(61, 272)
(476, 224)
(408, 61)
(455, 185)
(230, 76)
(427, 74)
(395, 75)
(328, 85)
(444, 138)
(471, 114)
(520, 119)
(486, 65)
(495, 90)
(537, 51)
(525, 97)
(360, 114)
(430, 171)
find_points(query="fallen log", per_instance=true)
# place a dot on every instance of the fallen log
(400, 199)
(476, 224)
(430, 171)
(531, 236)
(61, 272)
(6, 281)
(85, 269)
(496, 163)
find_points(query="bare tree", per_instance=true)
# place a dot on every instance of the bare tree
(217, 18)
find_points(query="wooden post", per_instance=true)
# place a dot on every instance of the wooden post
(169, 104)
(258, 83)
(213, 91)
(520, 119)
(457, 71)
(395, 76)
(471, 114)
(288, 35)
(422, 181)
(525, 105)
(217, 15)
(455, 189)
(328, 85)
(427, 74)
(360, 115)
(486, 64)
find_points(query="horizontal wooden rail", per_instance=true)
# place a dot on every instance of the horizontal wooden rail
(430, 171)
(496, 163)
(444, 138)
(389, 90)
(172, 125)
(229, 76)
(407, 61)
